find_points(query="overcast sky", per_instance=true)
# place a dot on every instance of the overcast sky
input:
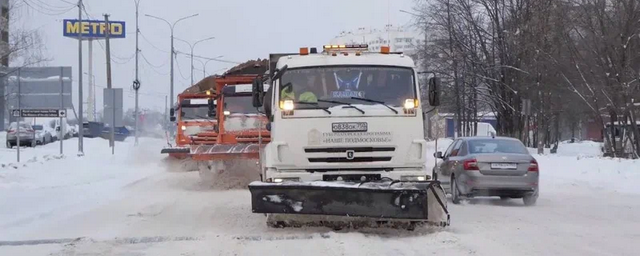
(244, 29)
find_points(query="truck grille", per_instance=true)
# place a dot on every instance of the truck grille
(363, 159)
(349, 154)
(345, 149)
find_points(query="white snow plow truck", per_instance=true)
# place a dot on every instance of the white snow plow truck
(347, 141)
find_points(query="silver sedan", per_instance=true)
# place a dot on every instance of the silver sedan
(485, 166)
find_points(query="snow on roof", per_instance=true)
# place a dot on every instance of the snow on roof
(31, 79)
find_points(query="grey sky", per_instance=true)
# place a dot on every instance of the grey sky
(244, 30)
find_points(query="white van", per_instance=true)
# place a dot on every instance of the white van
(486, 129)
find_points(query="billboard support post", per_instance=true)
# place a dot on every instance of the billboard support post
(61, 137)
(18, 120)
(80, 115)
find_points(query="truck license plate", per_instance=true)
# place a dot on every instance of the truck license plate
(504, 166)
(349, 127)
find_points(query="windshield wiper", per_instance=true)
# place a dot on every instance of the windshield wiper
(313, 104)
(376, 101)
(344, 103)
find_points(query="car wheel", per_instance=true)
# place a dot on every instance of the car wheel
(530, 200)
(455, 193)
(33, 143)
(9, 145)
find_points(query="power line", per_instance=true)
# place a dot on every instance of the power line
(153, 67)
(209, 58)
(179, 70)
(152, 45)
(67, 2)
(148, 62)
(55, 6)
(44, 10)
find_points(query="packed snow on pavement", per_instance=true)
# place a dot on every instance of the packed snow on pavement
(137, 203)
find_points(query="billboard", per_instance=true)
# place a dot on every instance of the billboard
(38, 88)
(93, 29)
(112, 97)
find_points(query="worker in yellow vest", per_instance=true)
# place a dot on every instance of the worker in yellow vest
(307, 95)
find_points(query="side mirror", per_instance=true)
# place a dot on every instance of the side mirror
(172, 115)
(212, 108)
(279, 73)
(438, 155)
(257, 93)
(434, 91)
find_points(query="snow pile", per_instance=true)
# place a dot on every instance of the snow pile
(618, 175)
(65, 184)
(581, 148)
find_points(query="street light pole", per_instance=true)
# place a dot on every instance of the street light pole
(171, 27)
(193, 46)
(136, 82)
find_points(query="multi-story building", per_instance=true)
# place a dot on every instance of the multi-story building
(4, 33)
(399, 39)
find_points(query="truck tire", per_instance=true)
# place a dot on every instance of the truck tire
(34, 143)
(9, 145)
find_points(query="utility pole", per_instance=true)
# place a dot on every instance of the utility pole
(136, 83)
(80, 117)
(92, 101)
(108, 50)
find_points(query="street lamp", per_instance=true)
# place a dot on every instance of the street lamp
(171, 26)
(193, 46)
(204, 64)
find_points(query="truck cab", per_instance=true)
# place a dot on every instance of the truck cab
(344, 114)
(196, 114)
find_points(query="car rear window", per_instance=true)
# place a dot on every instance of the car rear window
(496, 146)
(37, 127)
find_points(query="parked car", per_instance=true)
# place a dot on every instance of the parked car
(43, 136)
(486, 166)
(25, 132)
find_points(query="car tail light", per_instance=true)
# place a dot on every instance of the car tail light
(533, 166)
(470, 165)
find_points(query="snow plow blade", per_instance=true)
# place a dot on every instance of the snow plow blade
(175, 151)
(225, 151)
(216, 152)
(408, 201)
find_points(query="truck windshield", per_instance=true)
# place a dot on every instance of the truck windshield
(239, 104)
(391, 85)
(194, 113)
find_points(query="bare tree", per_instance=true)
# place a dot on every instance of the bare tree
(572, 58)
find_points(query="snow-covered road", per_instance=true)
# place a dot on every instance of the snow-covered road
(133, 204)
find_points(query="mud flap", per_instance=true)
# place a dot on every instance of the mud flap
(419, 201)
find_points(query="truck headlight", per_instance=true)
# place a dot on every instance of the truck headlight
(414, 178)
(287, 105)
(183, 128)
(410, 103)
(410, 106)
(227, 112)
(279, 180)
